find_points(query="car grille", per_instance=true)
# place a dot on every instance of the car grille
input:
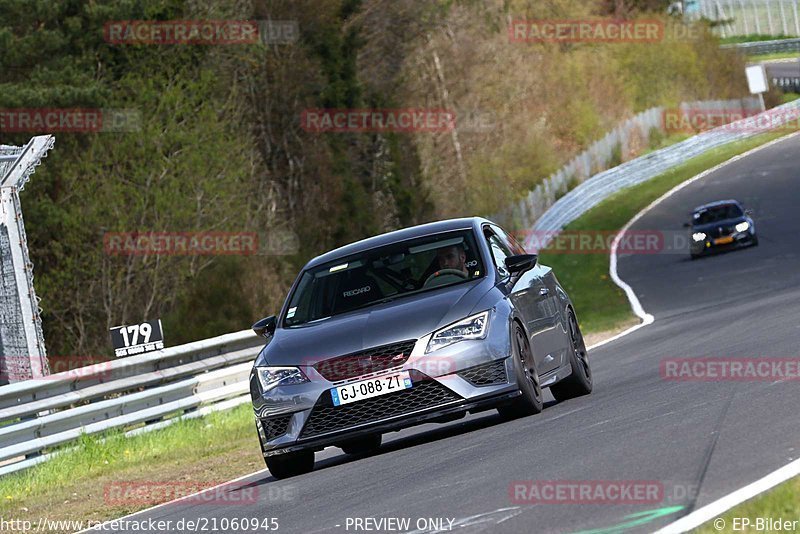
(275, 426)
(365, 361)
(487, 374)
(722, 230)
(426, 393)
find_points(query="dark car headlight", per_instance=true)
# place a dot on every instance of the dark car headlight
(270, 377)
(472, 327)
(742, 226)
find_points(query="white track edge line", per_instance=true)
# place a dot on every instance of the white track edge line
(617, 280)
(104, 525)
(725, 503)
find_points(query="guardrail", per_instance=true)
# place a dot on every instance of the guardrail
(599, 157)
(757, 48)
(39, 415)
(602, 185)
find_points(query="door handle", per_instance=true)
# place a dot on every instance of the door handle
(544, 291)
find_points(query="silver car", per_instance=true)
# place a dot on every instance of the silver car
(418, 325)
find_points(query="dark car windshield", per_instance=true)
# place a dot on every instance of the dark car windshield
(384, 273)
(716, 213)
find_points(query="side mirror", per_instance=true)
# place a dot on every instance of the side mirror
(521, 263)
(748, 211)
(265, 327)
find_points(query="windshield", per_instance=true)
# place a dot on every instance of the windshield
(716, 213)
(384, 273)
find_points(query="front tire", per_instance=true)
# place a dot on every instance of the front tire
(530, 402)
(290, 464)
(578, 383)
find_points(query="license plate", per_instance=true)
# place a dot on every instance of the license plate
(723, 240)
(373, 387)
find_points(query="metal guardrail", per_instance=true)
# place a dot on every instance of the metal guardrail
(598, 156)
(602, 185)
(757, 48)
(42, 414)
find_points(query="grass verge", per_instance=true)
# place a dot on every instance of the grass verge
(779, 502)
(222, 446)
(758, 58)
(752, 37)
(199, 452)
(600, 304)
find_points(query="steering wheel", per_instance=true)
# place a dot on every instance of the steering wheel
(441, 272)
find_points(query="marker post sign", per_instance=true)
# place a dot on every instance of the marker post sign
(757, 81)
(139, 338)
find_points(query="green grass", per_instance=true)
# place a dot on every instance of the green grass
(780, 502)
(775, 55)
(229, 437)
(735, 39)
(600, 304)
(789, 97)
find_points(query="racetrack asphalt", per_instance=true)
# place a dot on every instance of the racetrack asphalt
(698, 440)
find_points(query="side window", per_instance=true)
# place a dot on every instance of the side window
(499, 252)
(511, 243)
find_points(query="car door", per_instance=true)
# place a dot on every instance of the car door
(529, 296)
(543, 305)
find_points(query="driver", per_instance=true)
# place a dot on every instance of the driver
(452, 257)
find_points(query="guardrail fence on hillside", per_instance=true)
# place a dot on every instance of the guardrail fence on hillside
(759, 48)
(628, 138)
(39, 415)
(601, 186)
(746, 17)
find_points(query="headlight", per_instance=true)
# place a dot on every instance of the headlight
(699, 236)
(742, 226)
(269, 377)
(473, 327)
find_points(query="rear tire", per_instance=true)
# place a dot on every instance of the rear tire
(364, 445)
(579, 383)
(530, 402)
(290, 464)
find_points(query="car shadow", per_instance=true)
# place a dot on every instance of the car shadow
(443, 431)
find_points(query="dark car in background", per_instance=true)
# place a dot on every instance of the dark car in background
(720, 225)
(418, 325)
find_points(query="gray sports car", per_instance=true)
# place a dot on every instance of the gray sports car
(418, 325)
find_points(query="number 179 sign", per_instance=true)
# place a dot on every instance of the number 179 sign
(137, 338)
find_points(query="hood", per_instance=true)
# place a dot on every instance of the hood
(407, 318)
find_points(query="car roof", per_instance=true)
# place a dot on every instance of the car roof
(717, 203)
(411, 232)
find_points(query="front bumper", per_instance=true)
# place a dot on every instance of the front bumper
(739, 239)
(466, 376)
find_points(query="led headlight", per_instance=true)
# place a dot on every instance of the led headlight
(742, 226)
(473, 327)
(699, 236)
(269, 377)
